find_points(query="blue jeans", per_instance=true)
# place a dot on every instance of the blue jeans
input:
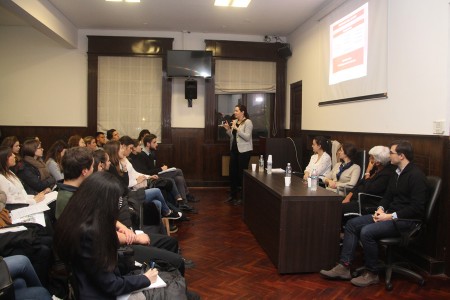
(154, 195)
(365, 229)
(26, 283)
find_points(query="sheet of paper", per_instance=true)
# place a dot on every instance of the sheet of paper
(158, 284)
(168, 170)
(50, 197)
(12, 229)
(29, 210)
(38, 218)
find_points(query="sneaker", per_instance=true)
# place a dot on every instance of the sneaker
(173, 228)
(338, 272)
(185, 207)
(173, 215)
(366, 279)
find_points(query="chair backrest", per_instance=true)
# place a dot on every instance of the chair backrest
(434, 183)
(361, 160)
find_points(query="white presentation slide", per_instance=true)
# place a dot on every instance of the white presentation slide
(349, 46)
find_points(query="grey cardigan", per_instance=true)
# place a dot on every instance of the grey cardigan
(243, 136)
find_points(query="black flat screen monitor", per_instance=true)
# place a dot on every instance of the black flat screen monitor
(189, 63)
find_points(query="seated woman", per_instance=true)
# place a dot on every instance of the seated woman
(101, 160)
(320, 160)
(13, 143)
(86, 240)
(345, 173)
(76, 141)
(91, 142)
(33, 172)
(123, 170)
(26, 282)
(16, 196)
(53, 159)
(375, 181)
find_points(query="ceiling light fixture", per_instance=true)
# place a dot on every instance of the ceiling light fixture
(130, 1)
(233, 3)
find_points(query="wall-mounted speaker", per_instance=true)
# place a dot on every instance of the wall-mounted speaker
(285, 51)
(190, 89)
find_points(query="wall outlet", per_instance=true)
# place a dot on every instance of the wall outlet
(438, 127)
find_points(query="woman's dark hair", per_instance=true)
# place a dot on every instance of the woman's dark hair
(91, 215)
(112, 148)
(99, 157)
(5, 153)
(243, 108)
(323, 142)
(29, 147)
(143, 133)
(55, 151)
(404, 147)
(10, 141)
(74, 141)
(350, 150)
(109, 133)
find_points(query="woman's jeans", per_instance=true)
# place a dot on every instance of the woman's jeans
(154, 195)
(26, 283)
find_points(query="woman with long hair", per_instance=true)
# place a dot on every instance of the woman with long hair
(346, 172)
(76, 141)
(13, 143)
(53, 159)
(320, 160)
(16, 196)
(33, 172)
(86, 239)
(120, 167)
(101, 160)
(240, 132)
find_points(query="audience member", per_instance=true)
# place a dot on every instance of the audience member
(86, 239)
(345, 173)
(405, 198)
(13, 143)
(26, 282)
(150, 147)
(33, 172)
(16, 196)
(112, 135)
(320, 160)
(101, 160)
(240, 132)
(53, 159)
(77, 165)
(76, 141)
(375, 181)
(142, 134)
(100, 139)
(90, 142)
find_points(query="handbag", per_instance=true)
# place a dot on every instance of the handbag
(5, 219)
(6, 283)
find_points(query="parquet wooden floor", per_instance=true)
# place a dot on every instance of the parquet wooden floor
(230, 264)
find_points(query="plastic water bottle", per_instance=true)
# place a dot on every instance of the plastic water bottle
(314, 179)
(288, 170)
(261, 164)
(269, 164)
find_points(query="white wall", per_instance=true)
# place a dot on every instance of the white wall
(418, 75)
(41, 82)
(45, 84)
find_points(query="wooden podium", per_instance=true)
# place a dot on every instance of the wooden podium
(296, 227)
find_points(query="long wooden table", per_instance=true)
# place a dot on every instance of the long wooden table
(296, 227)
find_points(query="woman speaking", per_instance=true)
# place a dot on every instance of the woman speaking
(241, 146)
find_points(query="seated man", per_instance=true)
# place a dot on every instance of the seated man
(405, 198)
(375, 181)
(150, 146)
(100, 139)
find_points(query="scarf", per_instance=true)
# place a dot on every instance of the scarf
(342, 168)
(40, 165)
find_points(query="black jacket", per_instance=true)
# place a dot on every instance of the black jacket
(407, 193)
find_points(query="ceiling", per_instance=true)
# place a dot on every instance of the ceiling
(262, 17)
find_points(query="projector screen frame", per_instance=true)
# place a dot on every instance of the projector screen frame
(355, 99)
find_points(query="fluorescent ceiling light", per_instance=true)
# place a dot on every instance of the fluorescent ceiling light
(135, 1)
(234, 3)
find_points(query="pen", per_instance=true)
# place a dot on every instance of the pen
(152, 264)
